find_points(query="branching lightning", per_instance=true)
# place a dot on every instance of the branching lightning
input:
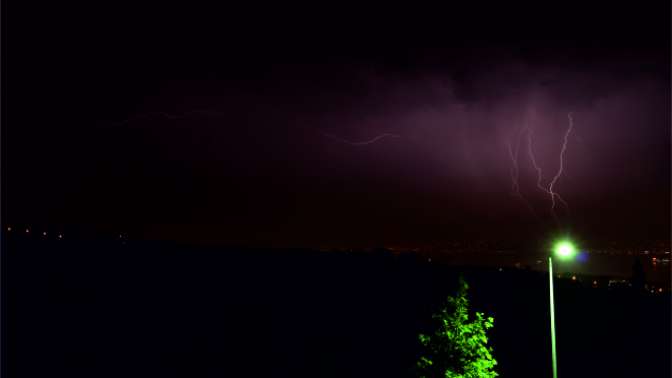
(515, 171)
(549, 190)
(554, 195)
(513, 155)
(533, 160)
(362, 143)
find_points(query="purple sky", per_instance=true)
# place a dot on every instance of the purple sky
(286, 164)
(251, 132)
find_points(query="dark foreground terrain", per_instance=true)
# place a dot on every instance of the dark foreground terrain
(83, 309)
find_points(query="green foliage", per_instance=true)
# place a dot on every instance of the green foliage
(459, 347)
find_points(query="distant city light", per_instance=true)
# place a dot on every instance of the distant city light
(60, 236)
(573, 278)
(27, 231)
(582, 256)
(44, 233)
(9, 229)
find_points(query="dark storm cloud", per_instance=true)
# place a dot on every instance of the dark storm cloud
(244, 152)
(261, 162)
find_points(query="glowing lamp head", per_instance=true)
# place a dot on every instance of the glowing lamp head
(564, 250)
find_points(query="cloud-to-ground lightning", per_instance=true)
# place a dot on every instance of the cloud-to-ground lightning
(555, 195)
(361, 143)
(550, 189)
(514, 171)
(533, 160)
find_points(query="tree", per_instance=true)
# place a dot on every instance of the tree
(459, 347)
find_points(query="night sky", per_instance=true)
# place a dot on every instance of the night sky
(249, 126)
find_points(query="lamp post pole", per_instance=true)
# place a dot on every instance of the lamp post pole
(563, 250)
(554, 357)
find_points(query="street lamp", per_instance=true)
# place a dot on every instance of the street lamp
(564, 250)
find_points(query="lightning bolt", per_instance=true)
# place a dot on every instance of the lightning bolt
(533, 160)
(550, 191)
(209, 113)
(514, 171)
(554, 195)
(361, 143)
